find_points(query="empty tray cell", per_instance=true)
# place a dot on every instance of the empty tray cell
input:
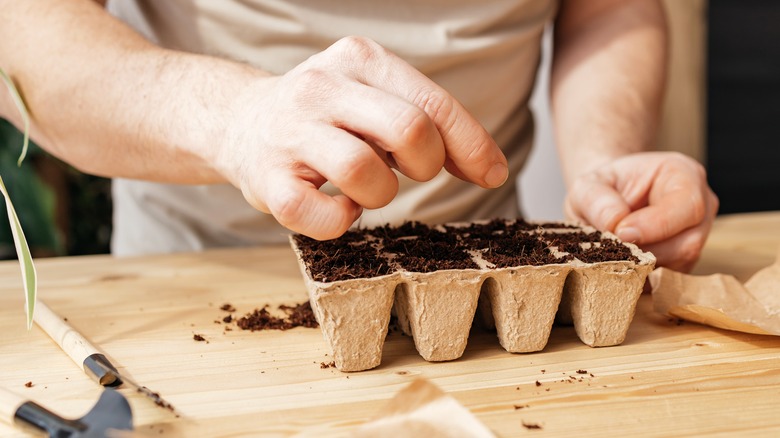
(439, 309)
(354, 318)
(601, 292)
(523, 303)
(601, 299)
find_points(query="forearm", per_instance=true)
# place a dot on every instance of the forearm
(109, 102)
(607, 80)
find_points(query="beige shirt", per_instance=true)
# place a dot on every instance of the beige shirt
(484, 52)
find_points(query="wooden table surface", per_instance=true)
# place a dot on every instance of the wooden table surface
(668, 378)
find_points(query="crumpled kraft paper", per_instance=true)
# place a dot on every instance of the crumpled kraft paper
(721, 300)
(423, 410)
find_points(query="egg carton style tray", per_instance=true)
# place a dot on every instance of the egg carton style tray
(519, 277)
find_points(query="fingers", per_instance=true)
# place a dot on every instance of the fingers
(682, 251)
(289, 189)
(402, 130)
(471, 153)
(674, 213)
(594, 200)
(353, 167)
(298, 205)
(678, 249)
(349, 115)
(678, 199)
(676, 202)
(660, 201)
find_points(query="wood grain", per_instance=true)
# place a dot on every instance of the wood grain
(668, 378)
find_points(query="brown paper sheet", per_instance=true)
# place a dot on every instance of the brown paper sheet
(721, 300)
(422, 409)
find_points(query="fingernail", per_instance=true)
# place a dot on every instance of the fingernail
(497, 175)
(629, 234)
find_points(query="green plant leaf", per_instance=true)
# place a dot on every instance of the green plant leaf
(22, 110)
(29, 276)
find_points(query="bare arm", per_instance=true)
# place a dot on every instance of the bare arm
(607, 80)
(107, 101)
(607, 86)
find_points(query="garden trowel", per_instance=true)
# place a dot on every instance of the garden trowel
(111, 416)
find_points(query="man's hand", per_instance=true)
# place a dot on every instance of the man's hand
(658, 200)
(348, 115)
(607, 87)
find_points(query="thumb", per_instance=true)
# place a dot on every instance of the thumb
(596, 203)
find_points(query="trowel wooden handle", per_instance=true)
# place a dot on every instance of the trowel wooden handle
(71, 341)
(9, 404)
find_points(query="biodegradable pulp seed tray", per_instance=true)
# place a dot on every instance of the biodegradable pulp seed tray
(519, 277)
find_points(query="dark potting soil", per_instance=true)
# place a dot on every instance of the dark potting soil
(608, 250)
(427, 249)
(300, 315)
(343, 258)
(417, 247)
(508, 244)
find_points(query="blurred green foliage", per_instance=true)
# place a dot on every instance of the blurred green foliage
(82, 204)
(34, 201)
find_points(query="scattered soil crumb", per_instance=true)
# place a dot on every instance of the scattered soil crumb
(330, 364)
(521, 406)
(157, 399)
(532, 425)
(28, 384)
(538, 383)
(198, 337)
(227, 307)
(300, 315)
(582, 371)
